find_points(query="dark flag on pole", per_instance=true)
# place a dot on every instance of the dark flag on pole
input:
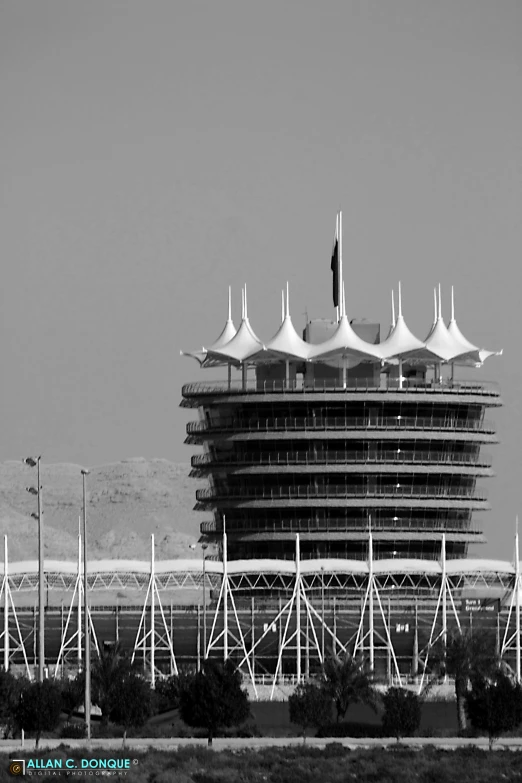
(334, 266)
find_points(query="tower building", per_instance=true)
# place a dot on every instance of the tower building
(340, 433)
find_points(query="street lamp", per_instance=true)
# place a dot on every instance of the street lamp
(87, 651)
(322, 613)
(204, 547)
(34, 462)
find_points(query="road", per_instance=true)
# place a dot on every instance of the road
(174, 743)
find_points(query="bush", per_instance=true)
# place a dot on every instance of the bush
(134, 705)
(402, 712)
(72, 731)
(168, 691)
(350, 729)
(39, 707)
(309, 705)
(495, 705)
(213, 698)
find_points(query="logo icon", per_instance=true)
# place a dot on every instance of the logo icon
(17, 767)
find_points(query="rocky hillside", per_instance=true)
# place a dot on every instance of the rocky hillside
(127, 501)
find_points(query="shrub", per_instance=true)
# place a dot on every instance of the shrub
(72, 731)
(347, 680)
(39, 707)
(309, 705)
(213, 698)
(495, 705)
(168, 691)
(350, 729)
(134, 705)
(402, 712)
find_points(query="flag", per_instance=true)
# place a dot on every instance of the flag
(334, 266)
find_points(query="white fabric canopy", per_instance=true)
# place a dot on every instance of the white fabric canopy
(237, 350)
(286, 344)
(345, 344)
(443, 345)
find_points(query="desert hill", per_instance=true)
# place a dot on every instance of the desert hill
(127, 501)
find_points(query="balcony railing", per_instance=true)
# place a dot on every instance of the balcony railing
(318, 424)
(339, 526)
(400, 456)
(343, 492)
(482, 388)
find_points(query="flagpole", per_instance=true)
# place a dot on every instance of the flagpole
(338, 306)
(341, 303)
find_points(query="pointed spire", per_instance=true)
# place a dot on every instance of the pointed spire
(400, 301)
(393, 310)
(287, 299)
(435, 309)
(343, 300)
(242, 304)
(246, 306)
(440, 304)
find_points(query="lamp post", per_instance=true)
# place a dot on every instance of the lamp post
(204, 548)
(35, 462)
(87, 650)
(322, 613)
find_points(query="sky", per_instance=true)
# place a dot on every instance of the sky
(154, 153)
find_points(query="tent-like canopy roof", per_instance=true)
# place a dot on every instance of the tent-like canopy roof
(469, 354)
(439, 341)
(286, 343)
(345, 344)
(243, 344)
(443, 344)
(227, 333)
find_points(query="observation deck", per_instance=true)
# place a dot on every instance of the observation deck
(329, 460)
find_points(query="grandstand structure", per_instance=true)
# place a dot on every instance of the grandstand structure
(277, 619)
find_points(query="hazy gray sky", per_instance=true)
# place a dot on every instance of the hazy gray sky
(155, 152)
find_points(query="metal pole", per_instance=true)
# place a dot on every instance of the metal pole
(86, 616)
(6, 608)
(389, 656)
(298, 607)
(41, 608)
(152, 618)
(370, 577)
(334, 624)
(79, 598)
(204, 546)
(444, 606)
(198, 639)
(253, 627)
(517, 604)
(322, 615)
(225, 592)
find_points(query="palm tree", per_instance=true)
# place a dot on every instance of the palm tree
(466, 655)
(347, 680)
(107, 673)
